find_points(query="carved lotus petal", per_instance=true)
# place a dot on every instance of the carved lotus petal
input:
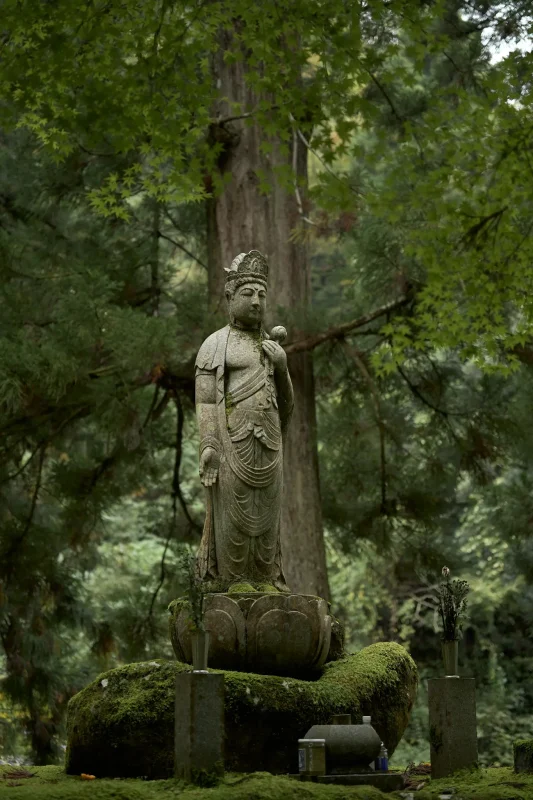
(283, 638)
(268, 633)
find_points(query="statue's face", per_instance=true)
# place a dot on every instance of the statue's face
(248, 304)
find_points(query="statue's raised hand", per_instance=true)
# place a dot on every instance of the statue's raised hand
(276, 354)
(209, 464)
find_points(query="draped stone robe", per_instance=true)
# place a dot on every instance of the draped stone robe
(241, 536)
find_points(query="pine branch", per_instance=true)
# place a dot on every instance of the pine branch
(26, 464)
(161, 407)
(444, 413)
(163, 571)
(339, 331)
(416, 391)
(182, 248)
(15, 545)
(43, 443)
(152, 408)
(176, 495)
(29, 423)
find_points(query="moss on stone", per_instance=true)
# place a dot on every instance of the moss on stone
(526, 745)
(223, 585)
(122, 724)
(228, 402)
(237, 588)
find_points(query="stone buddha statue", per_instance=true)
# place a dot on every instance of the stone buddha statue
(244, 401)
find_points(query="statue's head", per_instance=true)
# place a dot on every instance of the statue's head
(246, 288)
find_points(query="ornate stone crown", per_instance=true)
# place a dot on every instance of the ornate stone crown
(251, 266)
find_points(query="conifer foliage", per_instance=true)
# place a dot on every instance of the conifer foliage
(96, 367)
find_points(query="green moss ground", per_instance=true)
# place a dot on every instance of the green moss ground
(50, 783)
(500, 783)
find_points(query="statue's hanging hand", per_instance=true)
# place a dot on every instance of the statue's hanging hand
(276, 354)
(209, 464)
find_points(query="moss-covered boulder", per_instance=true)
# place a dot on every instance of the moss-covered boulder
(122, 724)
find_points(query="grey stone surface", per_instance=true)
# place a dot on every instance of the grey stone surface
(350, 749)
(244, 401)
(199, 725)
(452, 725)
(266, 633)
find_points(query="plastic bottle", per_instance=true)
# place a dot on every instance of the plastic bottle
(382, 761)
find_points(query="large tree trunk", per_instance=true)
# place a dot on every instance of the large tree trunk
(242, 219)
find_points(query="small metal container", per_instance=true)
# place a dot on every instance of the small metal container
(200, 650)
(312, 756)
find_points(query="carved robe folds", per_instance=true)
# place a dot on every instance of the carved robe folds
(241, 537)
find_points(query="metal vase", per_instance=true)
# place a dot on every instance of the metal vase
(450, 656)
(200, 649)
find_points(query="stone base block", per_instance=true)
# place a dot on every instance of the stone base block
(199, 725)
(267, 633)
(452, 725)
(384, 781)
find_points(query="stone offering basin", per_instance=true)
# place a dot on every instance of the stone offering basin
(122, 724)
(268, 633)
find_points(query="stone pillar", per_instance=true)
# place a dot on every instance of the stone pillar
(199, 725)
(523, 755)
(452, 725)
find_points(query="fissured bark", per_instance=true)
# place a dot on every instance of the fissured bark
(242, 218)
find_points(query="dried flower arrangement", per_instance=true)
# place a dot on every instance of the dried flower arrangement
(452, 606)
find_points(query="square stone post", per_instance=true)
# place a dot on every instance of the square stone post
(452, 724)
(199, 725)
